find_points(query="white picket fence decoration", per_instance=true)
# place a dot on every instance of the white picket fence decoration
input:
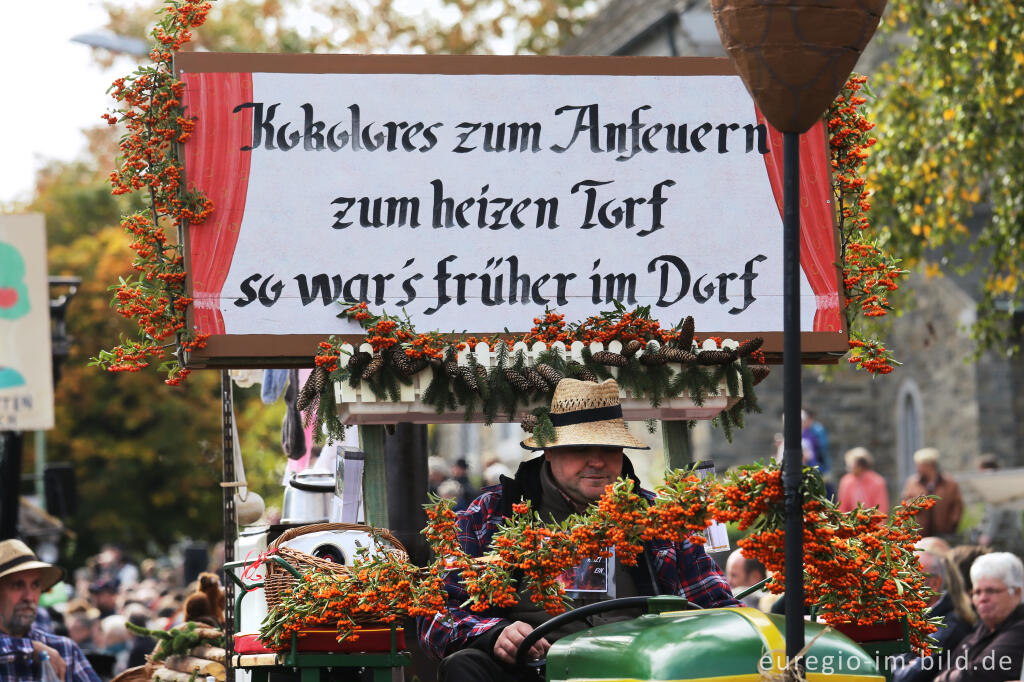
(358, 405)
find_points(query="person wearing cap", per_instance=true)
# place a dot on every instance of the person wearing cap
(23, 578)
(585, 457)
(460, 473)
(944, 517)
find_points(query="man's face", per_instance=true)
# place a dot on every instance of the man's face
(19, 598)
(735, 572)
(583, 472)
(994, 601)
(105, 599)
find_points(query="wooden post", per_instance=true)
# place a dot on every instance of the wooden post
(675, 438)
(375, 475)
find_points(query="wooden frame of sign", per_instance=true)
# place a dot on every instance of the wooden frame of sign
(472, 192)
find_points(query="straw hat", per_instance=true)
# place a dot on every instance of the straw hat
(587, 414)
(15, 556)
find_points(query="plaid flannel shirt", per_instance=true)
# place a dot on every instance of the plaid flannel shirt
(681, 569)
(17, 664)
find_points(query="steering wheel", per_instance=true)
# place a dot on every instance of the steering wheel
(578, 614)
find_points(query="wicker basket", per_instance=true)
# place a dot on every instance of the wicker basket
(139, 673)
(280, 581)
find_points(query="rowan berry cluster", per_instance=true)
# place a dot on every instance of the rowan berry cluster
(870, 275)
(859, 566)
(151, 111)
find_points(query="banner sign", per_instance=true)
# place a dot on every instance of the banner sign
(473, 192)
(26, 366)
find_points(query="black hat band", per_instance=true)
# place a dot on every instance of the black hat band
(595, 414)
(17, 561)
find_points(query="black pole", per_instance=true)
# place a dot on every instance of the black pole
(406, 452)
(10, 482)
(792, 458)
(230, 517)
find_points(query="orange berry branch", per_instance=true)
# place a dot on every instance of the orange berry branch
(151, 112)
(860, 566)
(870, 275)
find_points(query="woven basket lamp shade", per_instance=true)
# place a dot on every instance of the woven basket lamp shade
(794, 56)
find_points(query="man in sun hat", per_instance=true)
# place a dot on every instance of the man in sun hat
(23, 578)
(585, 456)
(944, 517)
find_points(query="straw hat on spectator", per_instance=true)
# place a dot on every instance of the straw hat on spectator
(15, 557)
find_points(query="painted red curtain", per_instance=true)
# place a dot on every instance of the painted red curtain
(817, 229)
(216, 165)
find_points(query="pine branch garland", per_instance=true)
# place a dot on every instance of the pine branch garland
(544, 431)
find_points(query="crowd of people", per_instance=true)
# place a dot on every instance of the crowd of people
(80, 623)
(81, 619)
(976, 573)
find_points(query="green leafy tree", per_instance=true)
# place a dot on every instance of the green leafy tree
(948, 170)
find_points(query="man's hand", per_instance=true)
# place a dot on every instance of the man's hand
(511, 637)
(59, 666)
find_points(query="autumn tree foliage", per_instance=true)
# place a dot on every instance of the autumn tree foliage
(948, 169)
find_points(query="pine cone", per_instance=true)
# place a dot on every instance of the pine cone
(452, 368)
(652, 357)
(536, 380)
(307, 393)
(759, 374)
(749, 346)
(581, 371)
(529, 423)
(375, 365)
(632, 348)
(678, 355)
(611, 359)
(550, 374)
(715, 357)
(685, 339)
(468, 377)
(358, 360)
(481, 373)
(517, 380)
(402, 362)
(313, 388)
(405, 365)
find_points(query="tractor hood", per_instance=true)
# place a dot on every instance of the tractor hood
(713, 644)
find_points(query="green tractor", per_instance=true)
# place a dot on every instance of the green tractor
(676, 640)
